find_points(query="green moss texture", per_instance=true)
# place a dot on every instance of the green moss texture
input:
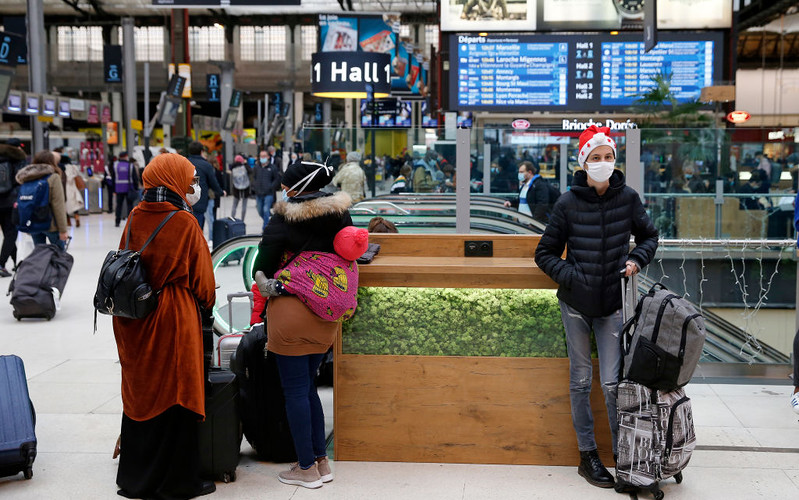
(456, 322)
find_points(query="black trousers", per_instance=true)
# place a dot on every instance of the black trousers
(9, 237)
(160, 457)
(122, 198)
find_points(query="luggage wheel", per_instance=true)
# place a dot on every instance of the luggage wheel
(229, 477)
(659, 495)
(678, 477)
(28, 473)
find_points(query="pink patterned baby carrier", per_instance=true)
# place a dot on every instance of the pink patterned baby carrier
(325, 282)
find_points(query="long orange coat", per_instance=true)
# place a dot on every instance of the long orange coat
(162, 354)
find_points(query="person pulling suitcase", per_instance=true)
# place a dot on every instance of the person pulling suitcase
(594, 219)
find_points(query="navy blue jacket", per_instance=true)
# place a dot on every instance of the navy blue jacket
(596, 231)
(207, 180)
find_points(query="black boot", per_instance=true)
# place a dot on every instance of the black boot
(593, 471)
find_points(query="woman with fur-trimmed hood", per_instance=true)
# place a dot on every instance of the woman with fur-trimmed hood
(306, 220)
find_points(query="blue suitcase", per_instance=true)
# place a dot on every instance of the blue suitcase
(225, 229)
(17, 420)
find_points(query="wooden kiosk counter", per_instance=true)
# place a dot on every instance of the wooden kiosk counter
(491, 384)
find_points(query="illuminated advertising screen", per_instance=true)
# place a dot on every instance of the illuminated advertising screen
(576, 73)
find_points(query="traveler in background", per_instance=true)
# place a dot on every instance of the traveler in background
(448, 182)
(45, 165)
(207, 180)
(351, 177)
(533, 197)
(758, 186)
(763, 163)
(161, 355)
(594, 220)
(693, 182)
(108, 183)
(240, 180)
(381, 225)
(75, 187)
(401, 183)
(266, 182)
(123, 177)
(12, 160)
(294, 159)
(307, 219)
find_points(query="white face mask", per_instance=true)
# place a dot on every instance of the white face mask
(194, 196)
(601, 170)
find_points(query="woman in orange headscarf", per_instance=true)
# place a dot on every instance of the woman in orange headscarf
(162, 354)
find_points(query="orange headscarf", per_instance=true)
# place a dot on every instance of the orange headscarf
(170, 170)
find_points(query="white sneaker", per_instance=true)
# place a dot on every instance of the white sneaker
(795, 402)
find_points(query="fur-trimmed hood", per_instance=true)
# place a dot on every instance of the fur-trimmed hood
(13, 153)
(33, 172)
(299, 209)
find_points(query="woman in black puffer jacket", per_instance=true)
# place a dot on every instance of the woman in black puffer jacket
(594, 221)
(305, 223)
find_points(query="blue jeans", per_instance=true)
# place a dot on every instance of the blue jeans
(578, 341)
(303, 407)
(263, 204)
(41, 239)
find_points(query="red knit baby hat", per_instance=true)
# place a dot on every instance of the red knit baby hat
(592, 138)
(351, 242)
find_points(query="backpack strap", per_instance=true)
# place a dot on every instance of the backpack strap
(152, 236)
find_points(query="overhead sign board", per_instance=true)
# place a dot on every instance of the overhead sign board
(112, 63)
(346, 74)
(576, 73)
(738, 116)
(12, 47)
(578, 15)
(184, 70)
(212, 87)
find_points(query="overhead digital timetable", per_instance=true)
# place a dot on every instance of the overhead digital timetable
(575, 72)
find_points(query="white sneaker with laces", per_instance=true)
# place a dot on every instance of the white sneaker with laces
(795, 402)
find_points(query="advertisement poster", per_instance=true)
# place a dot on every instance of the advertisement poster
(489, 15)
(338, 33)
(112, 133)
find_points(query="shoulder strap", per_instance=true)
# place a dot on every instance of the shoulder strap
(152, 236)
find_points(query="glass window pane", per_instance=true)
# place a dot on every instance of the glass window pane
(309, 39)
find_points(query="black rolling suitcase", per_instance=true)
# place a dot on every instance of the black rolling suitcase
(263, 407)
(17, 420)
(39, 282)
(220, 433)
(228, 228)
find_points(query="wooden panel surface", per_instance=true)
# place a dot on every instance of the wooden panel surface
(452, 245)
(459, 410)
(462, 272)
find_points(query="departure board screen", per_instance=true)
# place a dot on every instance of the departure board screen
(576, 72)
(512, 74)
(627, 70)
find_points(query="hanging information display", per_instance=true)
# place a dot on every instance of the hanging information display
(576, 73)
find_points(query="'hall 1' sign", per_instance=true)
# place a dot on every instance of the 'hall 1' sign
(346, 74)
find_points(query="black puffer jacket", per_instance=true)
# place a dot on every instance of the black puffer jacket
(596, 230)
(14, 158)
(308, 222)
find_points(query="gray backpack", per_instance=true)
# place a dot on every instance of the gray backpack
(663, 341)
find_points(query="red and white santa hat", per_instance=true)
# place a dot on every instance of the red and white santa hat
(592, 138)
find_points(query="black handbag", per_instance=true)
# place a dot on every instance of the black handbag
(123, 288)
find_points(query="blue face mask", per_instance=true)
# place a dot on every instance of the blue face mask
(264, 160)
(689, 176)
(285, 195)
(521, 177)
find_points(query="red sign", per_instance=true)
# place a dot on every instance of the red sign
(520, 124)
(738, 116)
(105, 116)
(94, 114)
